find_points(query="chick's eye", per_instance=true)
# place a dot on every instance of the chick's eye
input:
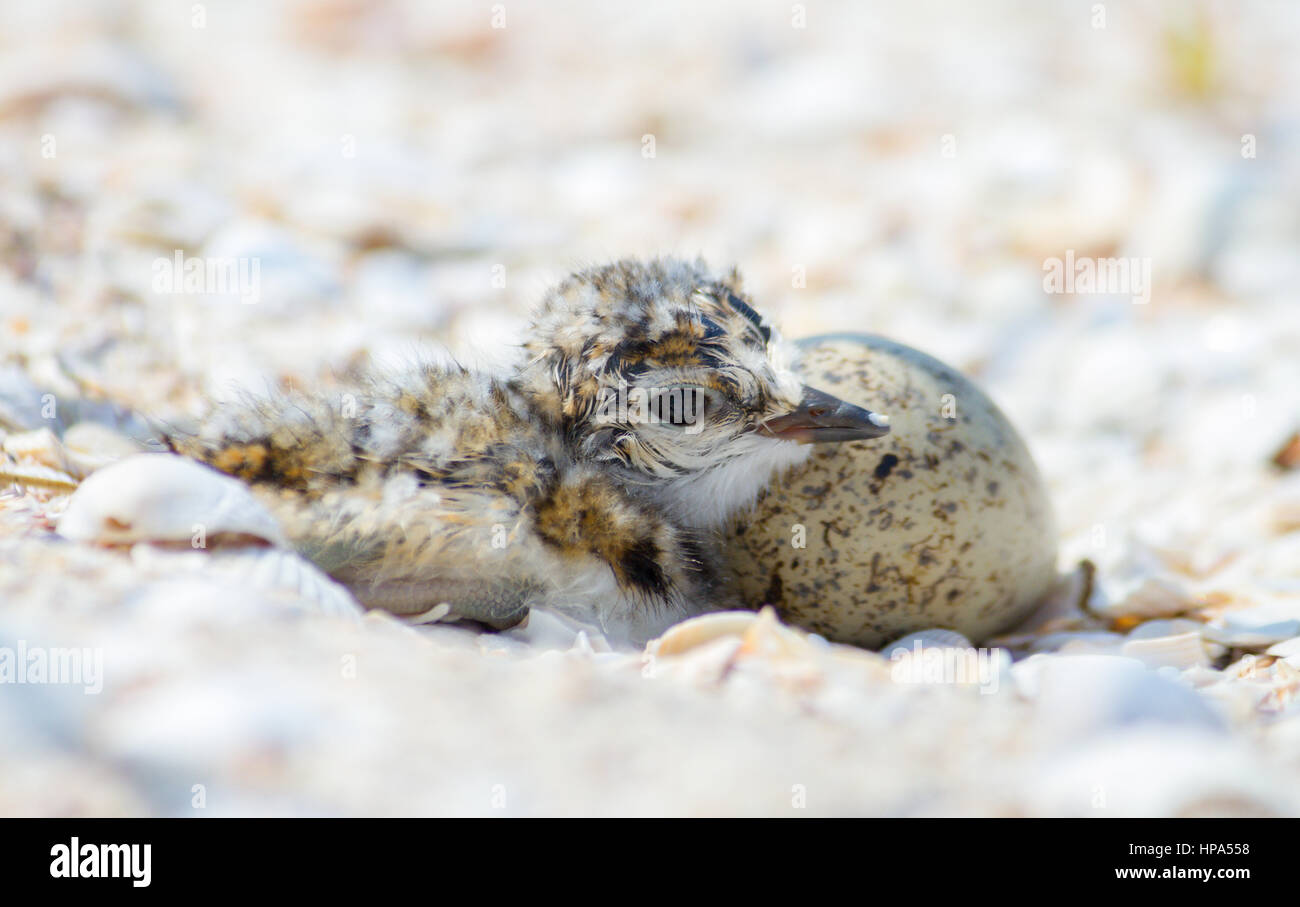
(680, 406)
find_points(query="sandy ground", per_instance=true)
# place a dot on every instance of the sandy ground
(410, 178)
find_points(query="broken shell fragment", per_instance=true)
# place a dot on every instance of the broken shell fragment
(156, 497)
(758, 632)
(1079, 642)
(1288, 651)
(41, 446)
(1182, 650)
(279, 575)
(26, 474)
(302, 581)
(769, 638)
(697, 631)
(1288, 455)
(90, 446)
(1153, 629)
(1151, 596)
(160, 502)
(1255, 627)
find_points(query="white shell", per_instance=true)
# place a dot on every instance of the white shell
(1273, 684)
(1288, 651)
(695, 632)
(1183, 650)
(1082, 695)
(300, 584)
(41, 446)
(1150, 596)
(89, 446)
(276, 568)
(1255, 627)
(759, 630)
(1140, 584)
(1079, 642)
(158, 497)
(1153, 629)
(39, 476)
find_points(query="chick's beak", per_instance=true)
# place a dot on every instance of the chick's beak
(821, 417)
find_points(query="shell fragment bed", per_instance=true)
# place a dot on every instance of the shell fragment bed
(182, 516)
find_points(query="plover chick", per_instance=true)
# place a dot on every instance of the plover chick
(650, 404)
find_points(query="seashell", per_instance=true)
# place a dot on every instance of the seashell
(154, 497)
(1234, 700)
(703, 665)
(1079, 642)
(1182, 650)
(1288, 455)
(1154, 629)
(1288, 651)
(1253, 637)
(90, 446)
(1255, 627)
(280, 569)
(1201, 676)
(276, 576)
(768, 637)
(936, 638)
(39, 476)
(1284, 684)
(1150, 596)
(287, 575)
(545, 631)
(760, 633)
(697, 631)
(1083, 695)
(40, 447)
(1273, 682)
(712, 651)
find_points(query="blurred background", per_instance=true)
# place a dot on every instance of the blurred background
(411, 176)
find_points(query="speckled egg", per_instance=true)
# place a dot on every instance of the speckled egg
(944, 522)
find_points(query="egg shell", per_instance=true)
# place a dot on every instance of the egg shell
(944, 522)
